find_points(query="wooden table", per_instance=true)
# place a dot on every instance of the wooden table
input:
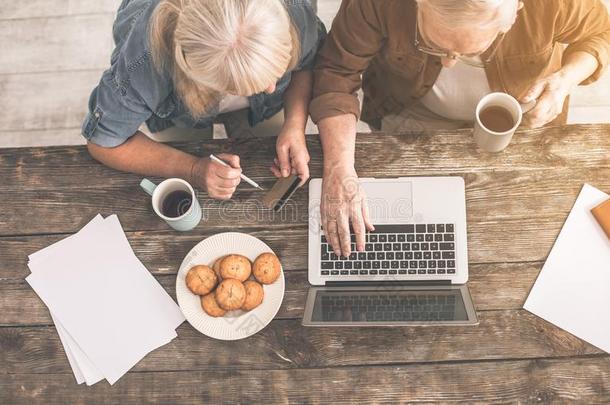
(517, 202)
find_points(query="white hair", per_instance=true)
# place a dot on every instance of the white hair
(482, 13)
(216, 47)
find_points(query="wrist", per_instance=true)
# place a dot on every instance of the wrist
(338, 165)
(194, 170)
(569, 77)
(292, 125)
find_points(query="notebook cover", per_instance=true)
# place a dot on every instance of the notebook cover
(602, 215)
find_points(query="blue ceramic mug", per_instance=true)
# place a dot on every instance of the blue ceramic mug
(170, 201)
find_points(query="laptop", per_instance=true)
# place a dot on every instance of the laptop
(414, 268)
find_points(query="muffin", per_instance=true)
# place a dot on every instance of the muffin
(254, 295)
(236, 267)
(210, 306)
(231, 294)
(201, 280)
(266, 268)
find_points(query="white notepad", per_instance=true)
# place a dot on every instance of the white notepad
(573, 288)
(109, 310)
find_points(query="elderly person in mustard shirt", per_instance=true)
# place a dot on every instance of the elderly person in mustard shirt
(424, 65)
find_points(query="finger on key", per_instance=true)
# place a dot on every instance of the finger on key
(358, 225)
(332, 236)
(344, 234)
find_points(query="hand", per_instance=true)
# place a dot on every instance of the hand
(344, 201)
(550, 94)
(218, 180)
(292, 155)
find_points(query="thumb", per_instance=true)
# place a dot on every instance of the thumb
(232, 160)
(534, 92)
(283, 157)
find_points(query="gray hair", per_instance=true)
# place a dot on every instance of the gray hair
(218, 47)
(483, 13)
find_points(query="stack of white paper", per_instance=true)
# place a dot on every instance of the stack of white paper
(573, 288)
(108, 309)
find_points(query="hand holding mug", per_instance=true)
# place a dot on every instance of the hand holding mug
(550, 94)
(219, 181)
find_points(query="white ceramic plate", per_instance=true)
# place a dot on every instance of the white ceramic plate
(235, 324)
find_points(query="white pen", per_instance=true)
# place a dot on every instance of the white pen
(243, 176)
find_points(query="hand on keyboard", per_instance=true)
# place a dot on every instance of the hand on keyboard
(344, 201)
(396, 250)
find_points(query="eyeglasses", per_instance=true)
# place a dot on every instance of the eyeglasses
(469, 60)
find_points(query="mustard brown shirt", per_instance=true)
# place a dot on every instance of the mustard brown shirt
(371, 46)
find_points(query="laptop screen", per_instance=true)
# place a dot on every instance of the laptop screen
(385, 305)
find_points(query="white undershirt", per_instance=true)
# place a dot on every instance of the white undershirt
(232, 103)
(457, 91)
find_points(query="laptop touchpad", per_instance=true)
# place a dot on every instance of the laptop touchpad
(390, 202)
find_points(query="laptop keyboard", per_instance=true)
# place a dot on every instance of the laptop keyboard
(388, 307)
(412, 249)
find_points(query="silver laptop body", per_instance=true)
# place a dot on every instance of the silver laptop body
(414, 268)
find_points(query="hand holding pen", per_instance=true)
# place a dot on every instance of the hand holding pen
(242, 176)
(219, 175)
(219, 180)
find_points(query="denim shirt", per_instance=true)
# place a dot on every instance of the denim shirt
(132, 91)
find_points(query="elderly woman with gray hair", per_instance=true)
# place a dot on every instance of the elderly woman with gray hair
(186, 63)
(424, 65)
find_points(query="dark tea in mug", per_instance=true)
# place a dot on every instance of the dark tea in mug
(176, 203)
(497, 119)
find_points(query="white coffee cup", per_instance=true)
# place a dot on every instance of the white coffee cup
(487, 139)
(189, 219)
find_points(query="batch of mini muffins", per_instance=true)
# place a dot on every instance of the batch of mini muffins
(233, 282)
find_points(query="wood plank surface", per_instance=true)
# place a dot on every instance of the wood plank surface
(39, 101)
(287, 344)
(517, 202)
(539, 381)
(523, 198)
(41, 137)
(35, 9)
(67, 211)
(40, 46)
(492, 286)
(574, 146)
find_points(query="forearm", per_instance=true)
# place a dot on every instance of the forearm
(577, 67)
(338, 137)
(297, 98)
(584, 25)
(142, 155)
